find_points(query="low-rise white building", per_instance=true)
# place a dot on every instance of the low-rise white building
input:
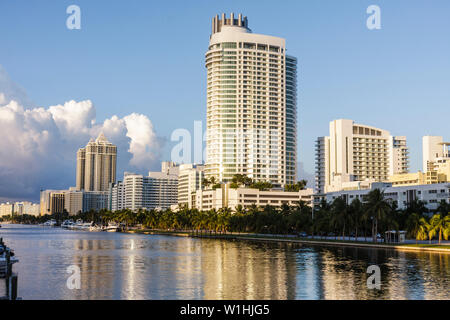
(431, 194)
(226, 197)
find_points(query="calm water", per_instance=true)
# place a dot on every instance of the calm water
(126, 266)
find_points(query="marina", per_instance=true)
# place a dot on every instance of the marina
(81, 225)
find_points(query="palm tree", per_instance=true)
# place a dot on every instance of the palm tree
(377, 208)
(416, 226)
(206, 182)
(443, 208)
(320, 218)
(151, 219)
(356, 213)
(340, 214)
(422, 231)
(439, 225)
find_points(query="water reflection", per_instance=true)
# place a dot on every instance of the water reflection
(239, 270)
(125, 266)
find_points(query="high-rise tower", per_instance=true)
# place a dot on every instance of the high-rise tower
(96, 165)
(251, 104)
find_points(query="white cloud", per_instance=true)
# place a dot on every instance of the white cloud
(9, 90)
(38, 145)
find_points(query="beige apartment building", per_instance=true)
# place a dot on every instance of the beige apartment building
(355, 153)
(251, 104)
(436, 164)
(96, 165)
(434, 149)
(73, 201)
(26, 207)
(6, 209)
(52, 201)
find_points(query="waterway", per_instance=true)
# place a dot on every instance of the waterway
(137, 266)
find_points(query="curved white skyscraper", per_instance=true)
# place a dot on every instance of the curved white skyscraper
(251, 104)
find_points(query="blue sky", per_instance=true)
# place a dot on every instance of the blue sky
(148, 57)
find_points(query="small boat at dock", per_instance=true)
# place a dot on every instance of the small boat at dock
(111, 227)
(3, 260)
(49, 223)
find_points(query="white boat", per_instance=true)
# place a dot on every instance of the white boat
(95, 228)
(111, 227)
(77, 225)
(86, 226)
(50, 223)
(3, 265)
(67, 224)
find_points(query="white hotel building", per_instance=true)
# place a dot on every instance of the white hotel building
(251, 104)
(158, 190)
(353, 154)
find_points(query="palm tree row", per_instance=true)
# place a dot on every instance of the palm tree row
(369, 217)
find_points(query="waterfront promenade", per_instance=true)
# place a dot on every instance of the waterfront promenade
(363, 242)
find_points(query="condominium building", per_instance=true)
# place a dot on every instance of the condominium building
(158, 190)
(251, 104)
(354, 152)
(52, 201)
(117, 196)
(434, 150)
(226, 197)
(72, 201)
(95, 200)
(6, 209)
(26, 207)
(322, 166)
(398, 155)
(436, 165)
(189, 180)
(96, 165)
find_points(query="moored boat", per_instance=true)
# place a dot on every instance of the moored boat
(67, 224)
(50, 223)
(111, 227)
(95, 228)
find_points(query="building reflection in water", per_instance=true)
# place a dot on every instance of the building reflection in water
(124, 266)
(137, 268)
(404, 275)
(245, 270)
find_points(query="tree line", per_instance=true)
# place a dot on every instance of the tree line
(368, 218)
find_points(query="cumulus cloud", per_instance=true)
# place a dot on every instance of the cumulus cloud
(9, 90)
(38, 145)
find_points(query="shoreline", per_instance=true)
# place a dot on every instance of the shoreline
(249, 237)
(432, 248)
